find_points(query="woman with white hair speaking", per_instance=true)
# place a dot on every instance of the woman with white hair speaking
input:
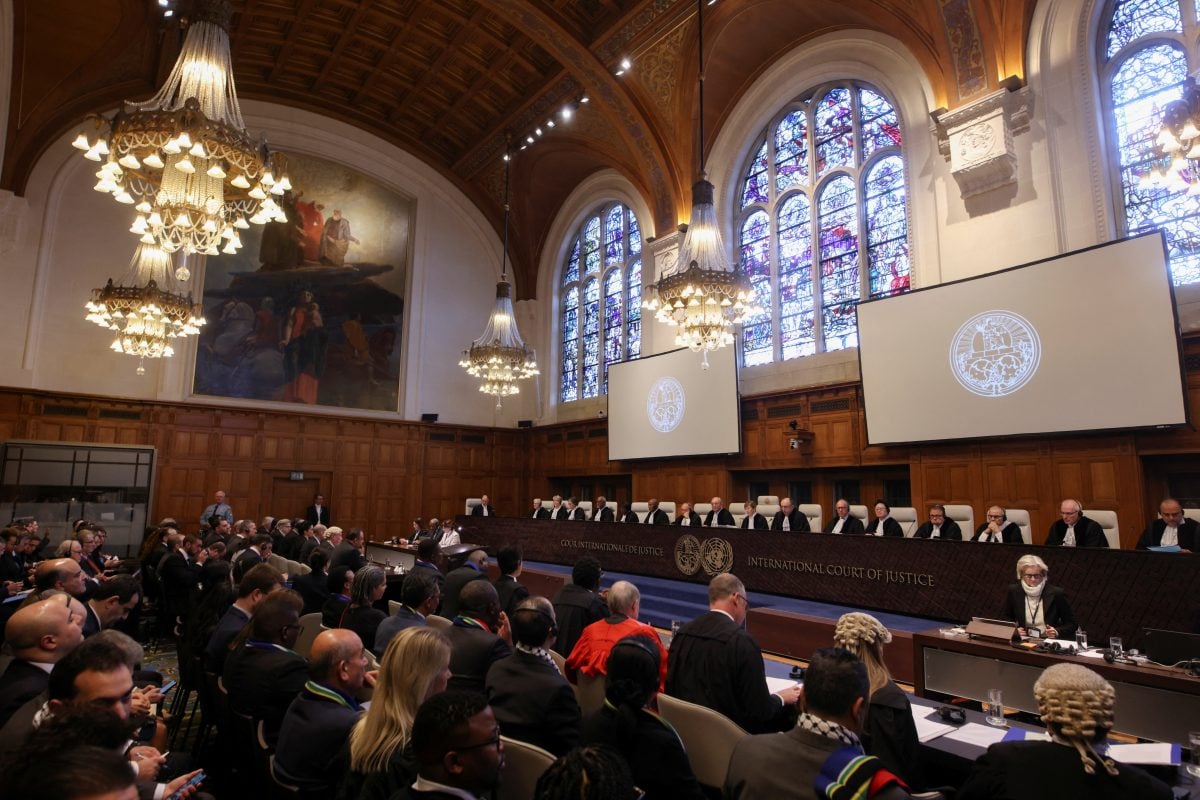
(1039, 609)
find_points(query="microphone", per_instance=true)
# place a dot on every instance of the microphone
(1112, 657)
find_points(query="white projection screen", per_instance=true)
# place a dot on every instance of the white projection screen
(668, 405)
(1084, 341)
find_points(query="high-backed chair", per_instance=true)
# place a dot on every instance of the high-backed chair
(393, 607)
(669, 507)
(739, 512)
(471, 503)
(702, 509)
(641, 508)
(965, 517)
(559, 661)
(586, 505)
(310, 626)
(768, 510)
(589, 691)
(1020, 518)
(438, 623)
(1192, 513)
(859, 513)
(278, 562)
(907, 517)
(813, 512)
(708, 736)
(1108, 523)
(524, 763)
(769, 499)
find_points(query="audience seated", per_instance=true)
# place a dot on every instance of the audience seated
(530, 698)
(215, 596)
(419, 597)
(578, 603)
(40, 635)
(111, 603)
(179, 573)
(262, 673)
(938, 526)
(310, 752)
(473, 569)
(715, 662)
(1078, 707)
(479, 637)
(256, 584)
(415, 666)
(587, 773)
(625, 723)
(448, 536)
(314, 586)
(339, 583)
(590, 653)
(458, 747)
(361, 616)
(350, 552)
(508, 587)
(429, 557)
(310, 539)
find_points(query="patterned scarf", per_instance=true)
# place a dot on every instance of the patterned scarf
(538, 652)
(830, 730)
(847, 774)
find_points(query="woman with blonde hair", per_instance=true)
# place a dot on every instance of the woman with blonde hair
(415, 666)
(1039, 609)
(889, 732)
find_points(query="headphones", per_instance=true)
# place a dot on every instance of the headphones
(640, 643)
(1059, 649)
(548, 617)
(1111, 657)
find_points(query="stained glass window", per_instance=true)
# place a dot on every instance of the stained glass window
(601, 315)
(1144, 68)
(816, 209)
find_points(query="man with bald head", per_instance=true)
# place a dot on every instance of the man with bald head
(310, 751)
(719, 516)
(654, 514)
(590, 653)
(40, 634)
(62, 574)
(1074, 529)
(1171, 528)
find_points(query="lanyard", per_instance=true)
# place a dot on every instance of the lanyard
(329, 694)
(471, 622)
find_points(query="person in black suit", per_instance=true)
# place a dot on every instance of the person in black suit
(754, 520)
(557, 509)
(629, 515)
(715, 662)
(254, 588)
(11, 570)
(843, 521)
(484, 509)
(339, 583)
(478, 638)
(574, 512)
(601, 512)
(578, 603)
(361, 615)
(938, 526)
(510, 561)
(687, 518)
(318, 513)
(1074, 529)
(111, 603)
(456, 729)
(179, 574)
(310, 752)
(40, 635)
(313, 586)
(883, 524)
(263, 674)
(654, 514)
(538, 512)
(287, 539)
(428, 556)
(531, 699)
(1171, 528)
(473, 569)
(350, 551)
(419, 597)
(1036, 605)
(996, 528)
(1078, 707)
(795, 520)
(309, 540)
(257, 553)
(719, 515)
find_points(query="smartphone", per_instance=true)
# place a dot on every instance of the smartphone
(168, 686)
(196, 780)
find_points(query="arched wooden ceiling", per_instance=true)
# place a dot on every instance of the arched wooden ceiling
(447, 80)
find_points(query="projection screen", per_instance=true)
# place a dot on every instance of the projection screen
(668, 405)
(1084, 341)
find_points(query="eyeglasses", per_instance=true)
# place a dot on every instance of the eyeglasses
(1033, 576)
(494, 741)
(995, 516)
(1069, 513)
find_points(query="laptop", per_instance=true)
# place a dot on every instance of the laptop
(1171, 647)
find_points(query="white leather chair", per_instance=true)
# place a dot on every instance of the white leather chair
(813, 512)
(310, 626)
(739, 512)
(439, 623)
(278, 562)
(768, 511)
(524, 763)
(471, 503)
(669, 507)
(769, 499)
(1108, 522)
(586, 505)
(702, 509)
(965, 517)
(907, 517)
(641, 508)
(708, 737)
(1192, 513)
(1020, 517)
(859, 513)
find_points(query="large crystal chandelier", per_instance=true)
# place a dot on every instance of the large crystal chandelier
(183, 158)
(703, 296)
(499, 357)
(145, 310)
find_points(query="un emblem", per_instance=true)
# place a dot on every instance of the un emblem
(665, 404)
(716, 556)
(995, 353)
(687, 554)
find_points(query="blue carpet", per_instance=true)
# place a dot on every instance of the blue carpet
(666, 600)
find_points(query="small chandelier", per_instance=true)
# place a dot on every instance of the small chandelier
(1179, 140)
(499, 357)
(183, 158)
(144, 310)
(703, 295)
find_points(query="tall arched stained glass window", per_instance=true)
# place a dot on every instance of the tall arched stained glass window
(823, 220)
(1143, 62)
(600, 301)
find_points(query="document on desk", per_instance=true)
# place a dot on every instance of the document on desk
(1146, 753)
(777, 685)
(978, 735)
(1022, 735)
(929, 727)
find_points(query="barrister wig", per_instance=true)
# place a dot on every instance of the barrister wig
(865, 636)
(1077, 706)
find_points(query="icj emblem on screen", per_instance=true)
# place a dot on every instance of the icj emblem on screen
(995, 353)
(665, 404)
(713, 555)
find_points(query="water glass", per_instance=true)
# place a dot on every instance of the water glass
(1081, 639)
(1193, 766)
(995, 709)
(1116, 645)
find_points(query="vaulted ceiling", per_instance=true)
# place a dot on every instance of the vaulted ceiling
(448, 80)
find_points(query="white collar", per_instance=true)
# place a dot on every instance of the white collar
(425, 785)
(726, 613)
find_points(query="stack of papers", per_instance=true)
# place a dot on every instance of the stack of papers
(1148, 753)
(777, 685)
(978, 735)
(930, 727)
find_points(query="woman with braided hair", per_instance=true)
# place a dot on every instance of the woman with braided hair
(587, 773)
(889, 732)
(1077, 706)
(647, 742)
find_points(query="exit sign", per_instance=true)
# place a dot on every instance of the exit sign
(296, 476)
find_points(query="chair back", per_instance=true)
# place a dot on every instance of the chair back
(1020, 518)
(471, 503)
(278, 562)
(813, 512)
(586, 505)
(282, 787)
(438, 623)
(1192, 513)
(702, 509)
(393, 607)
(669, 507)
(964, 516)
(739, 512)
(524, 763)
(708, 737)
(859, 513)
(310, 626)
(589, 691)
(907, 517)
(1108, 523)
(769, 499)
(559, 662)
(768, 510)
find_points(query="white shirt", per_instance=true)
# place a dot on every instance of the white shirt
(426, 785)
(536, 511)
(750, 520)
(1069, 537)
(837, 526)
(1170, 537)
(936, 533)
(686, 521)
(787, 523)
(485, 511)
(596, 514)
(879, 527)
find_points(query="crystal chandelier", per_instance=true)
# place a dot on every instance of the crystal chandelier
(703, 296)
(183, 158)
(1179, 140)
(144, 309)
(499, 357)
